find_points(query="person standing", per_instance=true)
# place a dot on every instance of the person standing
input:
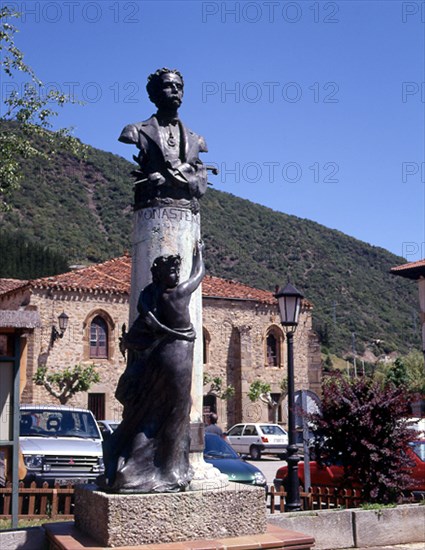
(213, 427)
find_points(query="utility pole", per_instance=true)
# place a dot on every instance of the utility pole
(353, 345)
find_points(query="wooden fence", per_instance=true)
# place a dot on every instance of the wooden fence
(318, 498)
(57, 502)
(38, 503)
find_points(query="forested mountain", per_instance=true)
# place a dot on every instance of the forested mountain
(81, 210)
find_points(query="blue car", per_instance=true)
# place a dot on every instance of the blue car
(221, 455)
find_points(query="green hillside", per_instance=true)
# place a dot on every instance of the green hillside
(81, 209)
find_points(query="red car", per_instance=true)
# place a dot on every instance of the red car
(332, 475)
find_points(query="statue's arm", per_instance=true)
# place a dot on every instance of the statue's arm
(197, 272)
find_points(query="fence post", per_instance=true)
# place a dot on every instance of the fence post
(54, 511)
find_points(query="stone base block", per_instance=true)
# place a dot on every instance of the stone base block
(131, 520)
(330, 528)
(388, 526)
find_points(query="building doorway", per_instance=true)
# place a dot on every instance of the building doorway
(96, 404)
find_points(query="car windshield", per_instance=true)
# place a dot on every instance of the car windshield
(418, 447)
(236, 430)
(58, 423)
(271, 429)
(216, 447)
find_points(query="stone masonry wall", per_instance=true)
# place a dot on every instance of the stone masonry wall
(236, 332)
(236, 352)
(73, 348)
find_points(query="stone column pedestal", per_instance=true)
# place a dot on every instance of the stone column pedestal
(163, 231)
(131, 520)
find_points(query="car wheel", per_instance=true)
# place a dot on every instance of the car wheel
(255, 453)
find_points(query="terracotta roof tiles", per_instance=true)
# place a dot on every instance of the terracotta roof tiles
(411, 270)
(6, 285)
(215, 287)
(113, 276)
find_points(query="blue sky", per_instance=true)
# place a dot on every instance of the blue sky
(313, 108)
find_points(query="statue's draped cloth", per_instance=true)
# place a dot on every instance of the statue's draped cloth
(149, 451)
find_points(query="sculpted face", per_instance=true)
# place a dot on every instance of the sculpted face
(168, 275)
(170, 91)
(166, 271)
(171, 277)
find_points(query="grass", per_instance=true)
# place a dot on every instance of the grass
(376, 506)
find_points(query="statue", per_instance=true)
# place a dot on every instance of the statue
(170, 169)
(149, 451)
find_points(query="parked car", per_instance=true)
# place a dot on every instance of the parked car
(331, 475)
(258, 439)
(60, 444)
(221, 455)
(107, 427)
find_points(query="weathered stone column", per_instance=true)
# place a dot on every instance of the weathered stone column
(162, 231)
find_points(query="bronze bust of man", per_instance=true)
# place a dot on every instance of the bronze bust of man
(170, 168)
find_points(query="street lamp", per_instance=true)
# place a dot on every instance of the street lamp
(63, 324)
(289, 300)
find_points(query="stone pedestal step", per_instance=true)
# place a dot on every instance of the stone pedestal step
(64, 536)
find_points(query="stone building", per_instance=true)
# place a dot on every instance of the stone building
(243, 339)
(416, 272)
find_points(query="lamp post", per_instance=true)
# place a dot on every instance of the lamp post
(289, 300)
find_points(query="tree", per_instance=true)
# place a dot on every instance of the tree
(28, 114)
(363, 424)
(397, 374)
(328, 364)
(407, 371)
(216, 387)
(66, 383)
(259, 390)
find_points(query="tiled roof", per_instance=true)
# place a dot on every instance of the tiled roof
(411, 270)
(6, 285)
(215, 287)
(113, 276)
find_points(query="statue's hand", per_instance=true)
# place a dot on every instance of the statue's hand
(186, 169)
(156, 179)
(199, 247)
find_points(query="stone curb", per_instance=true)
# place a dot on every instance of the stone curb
(357, 528)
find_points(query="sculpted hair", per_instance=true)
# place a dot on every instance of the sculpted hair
(162, 263)
(154, 80)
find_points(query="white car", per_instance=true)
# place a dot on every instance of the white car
(257, 439)
(60, 444)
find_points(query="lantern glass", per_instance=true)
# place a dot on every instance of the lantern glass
(289, 300)
(63, 321)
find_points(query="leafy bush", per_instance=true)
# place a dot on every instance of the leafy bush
(363, 423)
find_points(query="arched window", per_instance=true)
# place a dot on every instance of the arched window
(98, 338)
(273, 347)
(272, 351)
